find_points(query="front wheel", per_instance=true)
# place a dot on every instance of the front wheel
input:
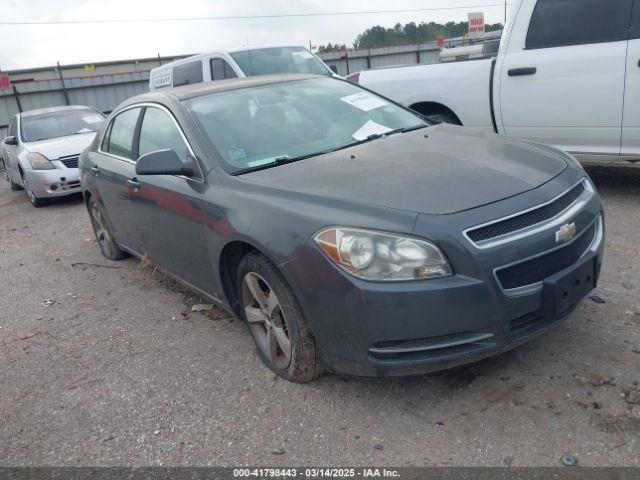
(35, 201)
(106, 241)
(285, 342)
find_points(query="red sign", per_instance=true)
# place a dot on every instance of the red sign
(440, 41)
(4, 81)
(476, 25)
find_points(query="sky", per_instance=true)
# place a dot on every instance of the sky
(26, 46)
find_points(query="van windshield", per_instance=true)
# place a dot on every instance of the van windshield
(269, 61)
(268, 125)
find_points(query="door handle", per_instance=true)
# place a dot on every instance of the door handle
(135, 184)
(520, 72)
(95, 170)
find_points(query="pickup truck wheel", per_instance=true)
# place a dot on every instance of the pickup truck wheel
(285, 342)
(106, 241)
(444, 118)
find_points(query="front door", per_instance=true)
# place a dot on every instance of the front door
(111, 167)
(631, 124)
(562, 79)
(168, 209)
(9, 153)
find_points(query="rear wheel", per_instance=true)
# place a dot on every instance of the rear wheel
(35, 201)
(106, 241)
(278, 326)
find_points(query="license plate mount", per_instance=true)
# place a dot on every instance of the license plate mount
(564, 290)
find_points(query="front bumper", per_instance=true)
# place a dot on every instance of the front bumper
(386, 329)
(54, 183)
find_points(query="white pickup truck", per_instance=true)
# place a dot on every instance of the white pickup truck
(567, 74)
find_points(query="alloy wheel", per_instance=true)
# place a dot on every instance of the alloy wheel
(266, 320)
(30, 194)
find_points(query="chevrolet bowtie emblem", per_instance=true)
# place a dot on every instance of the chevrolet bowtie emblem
(566, 233)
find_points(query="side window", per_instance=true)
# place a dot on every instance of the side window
(187, 74)
(635, 21)
(220, 69)
(121, 133)
(159, 132)
(557, 23)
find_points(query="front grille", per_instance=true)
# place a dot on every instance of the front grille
(537, 269)
(70, 162)
(527, 219)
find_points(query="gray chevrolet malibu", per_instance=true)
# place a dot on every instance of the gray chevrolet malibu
(349, 233)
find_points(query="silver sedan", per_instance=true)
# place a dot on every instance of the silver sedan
(41, 150)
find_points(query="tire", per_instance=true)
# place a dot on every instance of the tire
(106, 241)
(256, 274)
(35, 201)
(444, 118)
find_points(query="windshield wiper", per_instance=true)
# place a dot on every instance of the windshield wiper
(405, 129)
(284, 159)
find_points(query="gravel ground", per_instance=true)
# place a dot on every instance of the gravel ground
(120, 371)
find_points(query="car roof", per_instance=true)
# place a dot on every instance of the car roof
(206, 88)
(200, 56)
(44, 111)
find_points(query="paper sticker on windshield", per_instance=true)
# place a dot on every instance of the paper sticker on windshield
(364, 101)
(370, 128)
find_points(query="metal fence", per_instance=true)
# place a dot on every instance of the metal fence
(103, 92)
(345, 62)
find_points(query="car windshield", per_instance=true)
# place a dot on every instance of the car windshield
(268, 61)
(268, 125)
(59, 124)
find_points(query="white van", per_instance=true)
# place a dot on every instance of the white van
(208, 67)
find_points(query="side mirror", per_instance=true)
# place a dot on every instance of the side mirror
(10, 140)
(164, 162)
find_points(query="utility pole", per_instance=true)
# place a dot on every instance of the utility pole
(505, 13)
(64, 87)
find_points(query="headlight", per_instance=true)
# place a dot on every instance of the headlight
(39, 161)
(379, 256)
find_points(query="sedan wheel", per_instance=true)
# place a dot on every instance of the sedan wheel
(106, 242)
(266, 320)
(276, 321)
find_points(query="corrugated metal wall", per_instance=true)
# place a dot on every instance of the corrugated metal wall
(352, 61)
(103, 92)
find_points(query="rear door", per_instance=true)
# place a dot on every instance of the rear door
(631, 123)
(168, 209)
(563, 75)
(111, 167)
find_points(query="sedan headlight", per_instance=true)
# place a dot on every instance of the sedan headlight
(380, 256)
(39, 161)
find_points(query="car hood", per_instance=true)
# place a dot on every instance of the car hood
(438, 170)
(54, 148)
